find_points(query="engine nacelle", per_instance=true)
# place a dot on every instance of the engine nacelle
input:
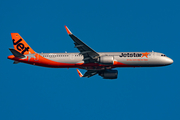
(109, 74)
(106, 60)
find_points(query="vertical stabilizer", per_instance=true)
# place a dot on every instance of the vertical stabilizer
(20, 44)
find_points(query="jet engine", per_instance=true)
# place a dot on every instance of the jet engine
(106, 60)
(109, 74)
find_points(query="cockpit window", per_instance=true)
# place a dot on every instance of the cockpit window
(163, 55)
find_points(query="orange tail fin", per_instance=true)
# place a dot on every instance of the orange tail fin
(20, 44)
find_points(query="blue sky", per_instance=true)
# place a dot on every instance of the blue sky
(31, 92)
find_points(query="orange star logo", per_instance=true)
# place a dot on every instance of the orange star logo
(145, 54)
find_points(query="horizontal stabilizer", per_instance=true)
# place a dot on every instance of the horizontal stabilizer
(16, 53)
(15, 62)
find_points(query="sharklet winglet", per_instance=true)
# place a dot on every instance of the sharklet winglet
(79, 73)
(68, 31)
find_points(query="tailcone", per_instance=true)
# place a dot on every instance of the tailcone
(11, 57)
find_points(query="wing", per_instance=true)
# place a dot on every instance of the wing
(90, 56)
(89, 73)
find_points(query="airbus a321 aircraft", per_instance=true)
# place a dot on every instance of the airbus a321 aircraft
(101, 63)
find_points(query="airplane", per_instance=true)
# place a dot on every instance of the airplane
(101, 63)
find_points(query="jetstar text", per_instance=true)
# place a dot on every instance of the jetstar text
(130, 55)
(20, 46)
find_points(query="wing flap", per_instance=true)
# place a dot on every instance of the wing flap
(89, 73)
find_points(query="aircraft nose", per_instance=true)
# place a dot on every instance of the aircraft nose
(169, 61)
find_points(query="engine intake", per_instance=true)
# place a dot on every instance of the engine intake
(109, 74)
(106, 60)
